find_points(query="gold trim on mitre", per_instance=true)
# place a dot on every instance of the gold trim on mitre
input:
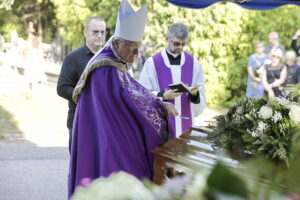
(104, 61)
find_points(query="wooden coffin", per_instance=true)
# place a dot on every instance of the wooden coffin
(180, 155)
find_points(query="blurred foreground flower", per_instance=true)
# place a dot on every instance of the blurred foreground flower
(295, 113)
(118, 186)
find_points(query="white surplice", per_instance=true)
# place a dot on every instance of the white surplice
(148, 78)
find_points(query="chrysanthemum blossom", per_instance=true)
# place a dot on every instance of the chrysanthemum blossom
(265, 112)
(239, 110)
(282, 101)
(295, 113)
(276, 117)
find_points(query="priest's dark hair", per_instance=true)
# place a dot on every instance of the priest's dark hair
(178, 30)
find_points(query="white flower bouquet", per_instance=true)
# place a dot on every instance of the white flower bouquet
(258, 71)
(117, 186)
(220, 182)
(259, 126)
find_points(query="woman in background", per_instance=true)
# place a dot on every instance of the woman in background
(274, 75)
(255, 65)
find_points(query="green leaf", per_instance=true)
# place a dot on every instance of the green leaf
(224, 181)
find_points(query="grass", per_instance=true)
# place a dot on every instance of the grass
(8, 125)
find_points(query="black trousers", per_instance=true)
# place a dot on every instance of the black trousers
(70, 140)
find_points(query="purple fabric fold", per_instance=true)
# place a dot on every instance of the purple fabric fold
(117, 124)
(186, 77)
(164, 77)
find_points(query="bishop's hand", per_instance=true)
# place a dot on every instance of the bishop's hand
(170, 109)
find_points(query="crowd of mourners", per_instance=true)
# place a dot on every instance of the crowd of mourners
(271, 68)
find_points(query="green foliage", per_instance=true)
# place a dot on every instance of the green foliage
(8, 123)
(107, 10)
(71, 24)
(6, 4)
(234, 186)
(293, 90)
(40, 12)
(71, 15)
(6, 28)
(221, 36)
(272, 177)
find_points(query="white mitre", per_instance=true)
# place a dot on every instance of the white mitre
(130, 24)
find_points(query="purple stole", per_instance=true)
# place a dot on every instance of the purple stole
(164, 77)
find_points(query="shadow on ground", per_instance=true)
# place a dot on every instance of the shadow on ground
(8, 125)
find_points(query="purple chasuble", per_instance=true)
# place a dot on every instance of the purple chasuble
(164, 77)
(117, 123)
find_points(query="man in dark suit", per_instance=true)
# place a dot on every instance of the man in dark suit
(76, 61)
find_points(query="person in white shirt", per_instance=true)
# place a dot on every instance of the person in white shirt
(173, 65)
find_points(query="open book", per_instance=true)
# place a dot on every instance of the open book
(181, 87)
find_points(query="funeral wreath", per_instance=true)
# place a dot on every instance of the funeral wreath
(259, 126)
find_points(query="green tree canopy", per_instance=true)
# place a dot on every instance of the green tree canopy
(6, 4)
(17, 17)
(221, 36)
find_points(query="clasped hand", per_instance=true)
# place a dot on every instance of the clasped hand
(171, 94)
(194, 90)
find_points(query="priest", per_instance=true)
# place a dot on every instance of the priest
(117, 121)
(172, 66)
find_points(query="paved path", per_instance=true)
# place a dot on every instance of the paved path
(33, 163)
(36, 167)
(29, 172)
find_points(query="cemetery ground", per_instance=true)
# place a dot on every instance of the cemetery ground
(33, 141)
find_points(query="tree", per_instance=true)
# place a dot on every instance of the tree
(6, 4)
(221, 36)
(70, 15)
(22, 13)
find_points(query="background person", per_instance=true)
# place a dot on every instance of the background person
(75, 62)
(273, 43)
(293, 70)
(294, 42)
(173, 65)
(274, 75)
(255, 66)
(298, 61)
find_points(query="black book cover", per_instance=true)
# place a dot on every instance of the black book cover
(180, 87)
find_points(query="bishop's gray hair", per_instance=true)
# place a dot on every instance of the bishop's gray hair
(178, 30)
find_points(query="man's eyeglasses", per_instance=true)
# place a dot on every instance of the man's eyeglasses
(177, 44)
(96, 33)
